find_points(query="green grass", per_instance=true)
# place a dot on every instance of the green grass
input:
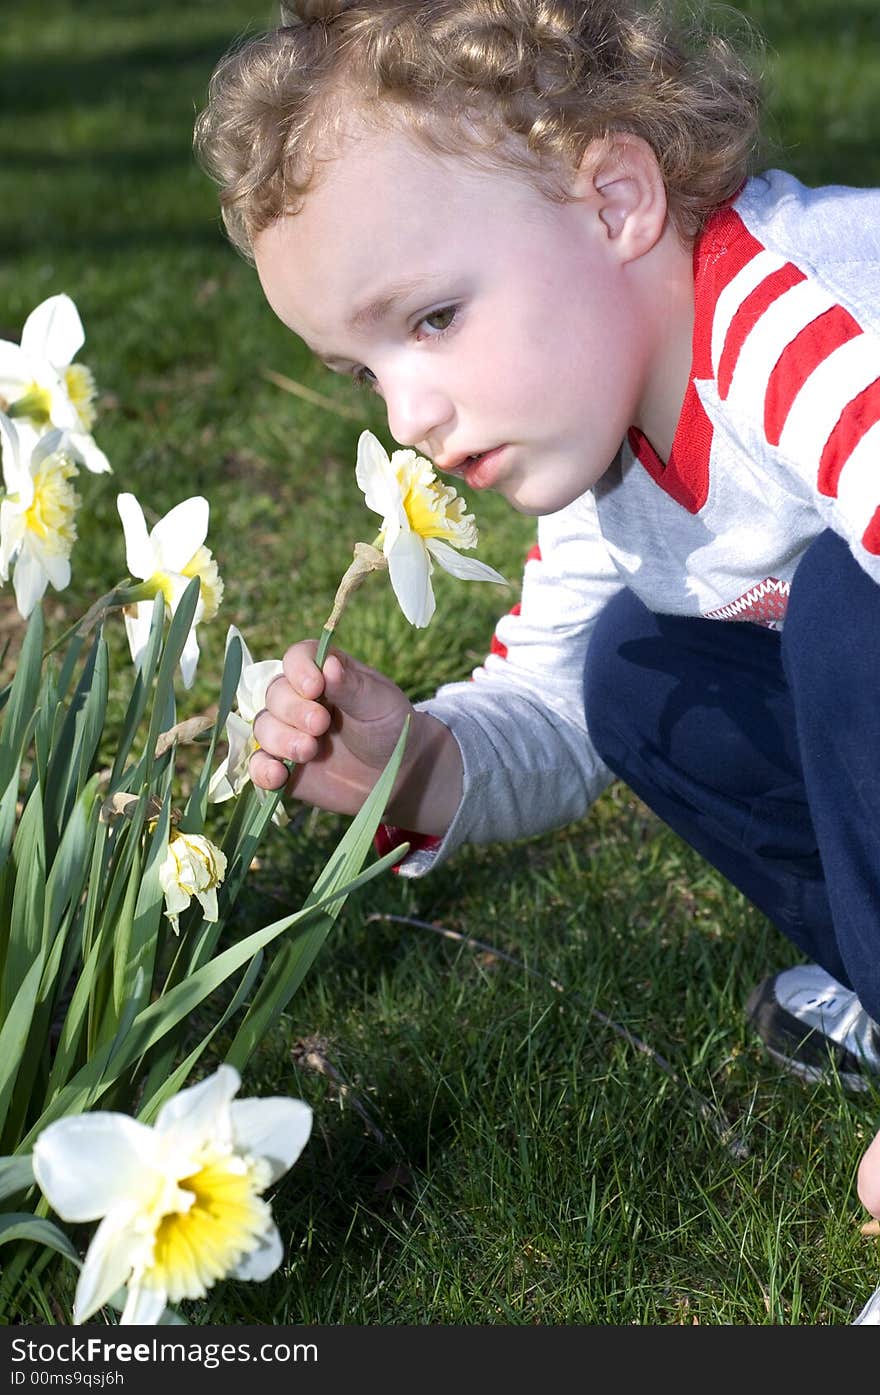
(519, 1161)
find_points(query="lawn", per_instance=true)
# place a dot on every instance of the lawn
(569, 1121)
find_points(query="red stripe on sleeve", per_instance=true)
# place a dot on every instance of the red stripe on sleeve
(388, 837)
(871, 535)
(799, 359)
(857, 417)
(748, 315)
(497, 647)
(533, 554)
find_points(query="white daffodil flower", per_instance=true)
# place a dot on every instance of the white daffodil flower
(37, 527)
(193, 866)
(232, 774)
(166, 559)
(180, 1203)
(422, 520)
(40, 381)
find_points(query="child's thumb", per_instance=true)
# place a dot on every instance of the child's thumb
(353, 688)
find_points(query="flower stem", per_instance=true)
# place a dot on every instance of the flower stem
(324, 644)
(367, 558)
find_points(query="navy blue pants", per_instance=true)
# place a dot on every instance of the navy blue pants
(762, 750)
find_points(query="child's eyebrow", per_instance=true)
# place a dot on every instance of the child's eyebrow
(379, 306)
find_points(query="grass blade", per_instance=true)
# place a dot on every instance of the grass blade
(22, 698)
(18, 1225)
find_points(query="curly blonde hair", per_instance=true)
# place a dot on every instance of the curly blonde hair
(466, 74)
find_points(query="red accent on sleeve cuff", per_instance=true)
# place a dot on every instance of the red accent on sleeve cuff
(388, 837)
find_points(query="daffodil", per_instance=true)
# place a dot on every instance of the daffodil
(180, 1203)
(423, 521)
(193, 866)
(37, 515)
(39, 380)
(232, 775)
(166, 559)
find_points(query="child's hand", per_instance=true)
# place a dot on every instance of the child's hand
(340, 726)
(868, 1183)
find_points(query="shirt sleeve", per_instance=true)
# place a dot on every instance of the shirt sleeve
(796, 351)
(529, 764)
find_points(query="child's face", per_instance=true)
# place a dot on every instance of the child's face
(493, 322)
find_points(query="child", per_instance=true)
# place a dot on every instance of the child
(528, 225)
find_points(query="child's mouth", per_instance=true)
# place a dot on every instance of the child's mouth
(480, 471)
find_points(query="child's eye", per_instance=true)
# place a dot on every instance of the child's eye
(438, 321)
(364, 378)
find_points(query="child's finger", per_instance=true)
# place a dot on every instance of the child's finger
(301, 671)
(868, 1182)
(267, 772)
(285, 742)
(285, 705)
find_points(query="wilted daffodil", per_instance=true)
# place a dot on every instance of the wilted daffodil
(37, 527)
(423, 521)
(180, 1203)
(166, 559)
(40, 382)
(232, 775)
(193, 866)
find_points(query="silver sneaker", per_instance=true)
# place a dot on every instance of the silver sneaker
(815, 1027)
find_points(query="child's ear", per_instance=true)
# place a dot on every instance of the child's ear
(620, 175)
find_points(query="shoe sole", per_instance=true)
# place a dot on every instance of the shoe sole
(816, 1075)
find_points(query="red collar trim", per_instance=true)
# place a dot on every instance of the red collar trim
(721, 251)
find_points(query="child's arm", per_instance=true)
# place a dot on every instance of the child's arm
(502, 755)
(868, 1183)
(341, 726)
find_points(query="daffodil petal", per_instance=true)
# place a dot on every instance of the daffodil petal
(29, 582)
(208, 902)
(14, 374)
(276, 1129)
(259, 1263)
(239, 735)
(180, 534)
(189, 658)
(83, 449)
(53, 331)
(373, 474)
(108, 1263)
(255, 679)
(219, 788)
(44, 445)
(144, 1306)
(86, 1164)
(9, 444)
(137, 629)
(176, 898)
(138, 549)
(409, 568)
(457, 564)
(61, 410)
(57, 570)
(11, 533)
(195, 1114)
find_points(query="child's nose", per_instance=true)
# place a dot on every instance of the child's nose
(415, 412)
